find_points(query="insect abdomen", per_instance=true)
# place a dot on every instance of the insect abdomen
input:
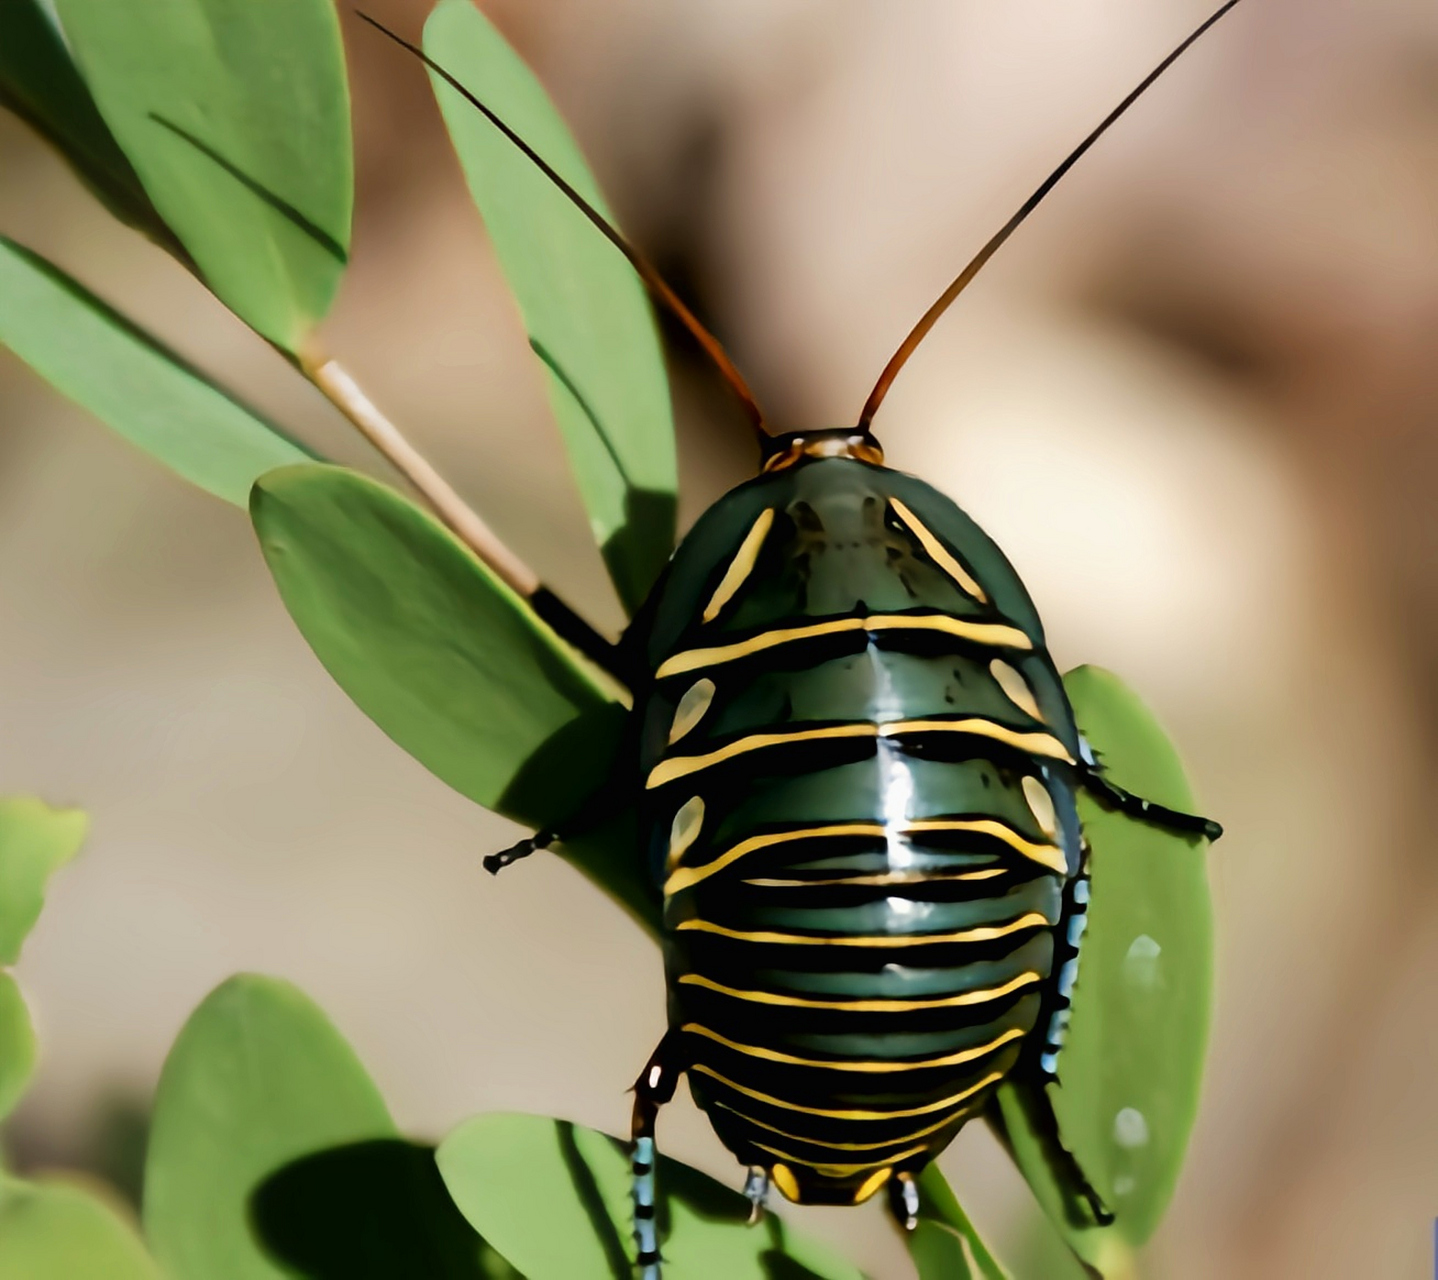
(860, 815)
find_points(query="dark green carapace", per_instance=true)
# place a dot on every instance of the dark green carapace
(856, 770)
(859, 775)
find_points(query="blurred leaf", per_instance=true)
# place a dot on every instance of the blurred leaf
(372, 1210)
(17, 1048)
(131, 382)
(554, 1198)
(1131, 1069)
(236, 117)
(35, 842)
(53, 1231)
(444, 657)
(39, 83)
(257, 1079)
(586, 312)
(945, 1246)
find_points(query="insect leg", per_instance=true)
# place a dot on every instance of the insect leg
(904, 1200)
(756, 1191)
(1115, 797)
(1078, 1192)
(652, 1090)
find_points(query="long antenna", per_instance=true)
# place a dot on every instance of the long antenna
(921, 330)
(656, 283)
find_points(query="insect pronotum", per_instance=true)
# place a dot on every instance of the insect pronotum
(856, 771)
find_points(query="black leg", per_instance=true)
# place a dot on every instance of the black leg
(1078, 1192)
(1145, 810)
(652, 1090)
(496, 862)
(904, 1200)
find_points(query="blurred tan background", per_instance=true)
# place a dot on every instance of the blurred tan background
(1196, 400)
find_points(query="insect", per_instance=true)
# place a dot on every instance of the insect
(856, 771)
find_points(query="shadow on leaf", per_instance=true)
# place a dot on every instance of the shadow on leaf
(369, 1211)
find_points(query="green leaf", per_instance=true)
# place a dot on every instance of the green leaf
(372, 1210)
(444, 657)
(588, 319)
(553, 1198)
(1131, 1069)
(39, 83)
(17, 1047)
(35, 842)
(53, 1231)
(133, 383)
(236, 117)
(945, 1246)
(257, 1079)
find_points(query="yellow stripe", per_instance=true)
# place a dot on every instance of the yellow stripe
(939, 553)
(866, 1006)
(958, 1115)
(680, 766)
(1041, 744)
(984, 933)
(943, 1104)
(686, 876)
(999, 635)
(868, 1068)
(889, 877)
(841, 1170)
(1046, 855)
(741, 566)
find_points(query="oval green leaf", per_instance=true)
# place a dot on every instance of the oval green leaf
(257, 1079)
(236, 117)
(372, 1210)
(945, 1245)
(39, 83)
(17, 1046)
(35, 842)
(133, 383)
(588, 319)
(53, 1231)
(1132, 1067)
(553, 1198)
(442, 655)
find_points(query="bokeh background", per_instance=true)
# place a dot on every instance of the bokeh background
(1195, 400)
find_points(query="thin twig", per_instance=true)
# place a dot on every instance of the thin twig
(345, 394)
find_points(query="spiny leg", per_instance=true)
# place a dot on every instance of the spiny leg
(904, 1200)
(652, 1090)
(1033, 1097)
(756, 1191)
(1115, 797)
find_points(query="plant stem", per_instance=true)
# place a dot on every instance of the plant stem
(335, 382)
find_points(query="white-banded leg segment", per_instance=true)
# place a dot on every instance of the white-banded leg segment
(756, 1191)
(652, 1090)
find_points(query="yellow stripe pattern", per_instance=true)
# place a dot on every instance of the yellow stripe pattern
(940, 554)
(1046, 855)
(866, 1006)
(983, 933)
(1039, 744)
(741, 566)
(866, 1068)
(997, 635)
(925, 1132)
(928, 1108)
